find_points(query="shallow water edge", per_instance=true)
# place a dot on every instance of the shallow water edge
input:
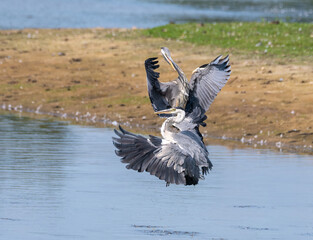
(89, 120)
(61, 181)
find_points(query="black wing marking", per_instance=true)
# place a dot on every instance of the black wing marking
(208, 81)
(158, 92)
(162, 95)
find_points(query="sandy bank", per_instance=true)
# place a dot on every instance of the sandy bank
(87, 74)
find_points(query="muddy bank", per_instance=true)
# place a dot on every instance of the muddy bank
(95, 75)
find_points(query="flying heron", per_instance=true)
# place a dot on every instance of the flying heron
(205, 83)
(178, 158)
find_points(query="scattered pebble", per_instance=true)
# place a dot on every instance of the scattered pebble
(278, 144)
(293, 130)
(76, 60)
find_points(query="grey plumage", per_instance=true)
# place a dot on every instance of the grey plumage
(205, 83)
(168, 94)
(178, 158)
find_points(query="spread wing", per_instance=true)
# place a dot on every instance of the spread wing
(150, 155)
(166, 160)
(161, 94)
(207, 81)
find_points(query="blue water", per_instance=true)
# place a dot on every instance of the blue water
(19, 14)
(59, 181)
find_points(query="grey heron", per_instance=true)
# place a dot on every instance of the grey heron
(180, 157)
(205, 83)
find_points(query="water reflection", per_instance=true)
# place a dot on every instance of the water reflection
(59, 181)
(31, 168)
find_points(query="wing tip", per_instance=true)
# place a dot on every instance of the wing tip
(216, 60)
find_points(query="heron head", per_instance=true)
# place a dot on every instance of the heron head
(171, 111)
(167, 56)
(178, 113)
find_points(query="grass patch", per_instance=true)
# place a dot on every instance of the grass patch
(283, 39)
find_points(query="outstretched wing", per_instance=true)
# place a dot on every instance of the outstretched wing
(161, 94)
(165, 161)
(207, 81)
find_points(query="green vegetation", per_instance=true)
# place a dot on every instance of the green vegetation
(281, 39)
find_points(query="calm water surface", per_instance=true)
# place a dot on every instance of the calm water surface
(59, 181)
(19, 14)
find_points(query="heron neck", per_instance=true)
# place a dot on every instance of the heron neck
(165, 129)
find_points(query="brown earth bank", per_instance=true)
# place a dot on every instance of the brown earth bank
(98, 76)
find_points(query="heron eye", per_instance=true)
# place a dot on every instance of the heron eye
(204, 65)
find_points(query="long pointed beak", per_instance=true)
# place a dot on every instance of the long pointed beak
(167, 56)
(166, 111)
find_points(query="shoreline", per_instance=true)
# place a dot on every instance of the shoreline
(89, 120)
(99, 73)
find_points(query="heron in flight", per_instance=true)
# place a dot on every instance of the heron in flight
(205, 83)
(180, 157)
